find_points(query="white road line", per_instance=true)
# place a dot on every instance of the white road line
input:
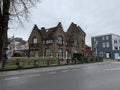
(11, 78)
(33, 75)
(92, 67)
(75, 69)
(112, 69)
(64, 70)
(115, 62)
(51, 72)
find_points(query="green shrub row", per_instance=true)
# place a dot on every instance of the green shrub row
(29, 62)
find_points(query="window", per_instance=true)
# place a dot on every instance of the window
(60, 52)
(43, 41)
(72, 34)
(47, 41)
(115, 41)
(94, 39)
(103, 38)
(95, 44)
(34, 40)
(103, 44)
(48, 51)
(60, 40)
(66, 43)
(107, 44)
(101, 54)
(107, 37)
(75, 42)
(31, 53)
(75, 51)
(36, 53)
(116, 48)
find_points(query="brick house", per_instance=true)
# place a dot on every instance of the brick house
(88, 51)
(54, 42)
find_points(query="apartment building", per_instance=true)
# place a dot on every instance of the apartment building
(107, 46)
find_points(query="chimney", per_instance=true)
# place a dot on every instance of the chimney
(43, 31)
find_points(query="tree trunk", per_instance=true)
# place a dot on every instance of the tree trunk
(4, 18)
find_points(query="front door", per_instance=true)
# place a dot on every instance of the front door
(107, 55)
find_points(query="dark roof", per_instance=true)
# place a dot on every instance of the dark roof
(80, 29)
(50, 31)
(86, 46)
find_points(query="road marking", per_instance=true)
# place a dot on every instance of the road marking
(51, 72)
(12, 78)
(64, 70)
(33, 75)
(115, 62)
(92, 67)
(112, 69)
(75, 69)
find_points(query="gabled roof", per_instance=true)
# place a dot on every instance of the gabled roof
(50, 31)
(77, 28)
(80, 29)
(35, 27)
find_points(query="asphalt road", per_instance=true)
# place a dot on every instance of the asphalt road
(97, 76)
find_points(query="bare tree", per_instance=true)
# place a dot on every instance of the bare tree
(10, 9)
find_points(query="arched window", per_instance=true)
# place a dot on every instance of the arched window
(34, 40)
(60, 40)
(48, 51)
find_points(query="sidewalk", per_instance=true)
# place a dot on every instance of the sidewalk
(111, 60)
(36, 70)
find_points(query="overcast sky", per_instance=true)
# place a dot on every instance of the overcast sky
(95, 17)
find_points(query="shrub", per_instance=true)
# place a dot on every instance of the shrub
(78, 56)
(29, 61)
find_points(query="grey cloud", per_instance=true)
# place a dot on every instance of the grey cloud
(94, 16)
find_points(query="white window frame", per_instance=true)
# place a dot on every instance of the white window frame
(107, 37)
(103, 44)
(103, 38)
(107, 44)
